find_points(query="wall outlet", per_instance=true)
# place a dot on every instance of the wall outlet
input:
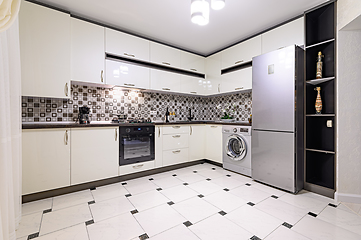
(153, 112)
(329, 123)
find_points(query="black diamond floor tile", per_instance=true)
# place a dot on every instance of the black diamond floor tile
(174, 175)
(143, 236)
(208, 179)
(195, 171)
(91, 202)
(151, 179)
(134, 211)
(34, 235)
(228, 175)
(159, 189)
(255, 238)
(287, 225)
(332, 205)
(89, 222)
(170, 203)
(226, 189)
(188, 223)
(222, 213)
(185, 184)
(274, 196)
(251, 204)
(128, 195)
(47, 211)
(312, 214)
(94, 188)
(248, 184)
(200, 195)
(124, 183)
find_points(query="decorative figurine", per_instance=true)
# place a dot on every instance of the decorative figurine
(319, 66)
(318, 103)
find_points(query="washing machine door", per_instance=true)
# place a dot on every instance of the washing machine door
(236, 147)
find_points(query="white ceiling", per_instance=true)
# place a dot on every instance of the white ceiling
(168, 21)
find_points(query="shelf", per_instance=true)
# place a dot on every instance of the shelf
(328, 51)
(318, 81)
(318, 135)
(236, 67)
(327, 97)
(320, 168)
(320, 43)
(321, 115)
(320, 151)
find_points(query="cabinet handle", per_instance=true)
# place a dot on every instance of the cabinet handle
(176, 127)
(176, 136)
(66, 137)
(166, 63)
(158, 131)
(239, 88)
(193, 69)
(219, 87)
(176, 151)
(214, 126)
(194, 92)
(116, 134)
(101, 76)
(66, 89)
(238, 62)
(138, 166)
(166, 89)
(191, 130)
(129, 84)
(129, 55)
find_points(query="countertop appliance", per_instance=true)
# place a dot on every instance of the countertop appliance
(277, 111)
(237, 148)
(136, 144)
(83, 115)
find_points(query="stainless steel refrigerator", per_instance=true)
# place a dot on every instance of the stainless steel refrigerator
(278, 116)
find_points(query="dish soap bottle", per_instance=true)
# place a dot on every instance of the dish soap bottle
(319, 66)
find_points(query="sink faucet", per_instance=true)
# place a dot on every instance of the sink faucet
(190, 117)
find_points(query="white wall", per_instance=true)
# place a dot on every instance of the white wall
(348, 103)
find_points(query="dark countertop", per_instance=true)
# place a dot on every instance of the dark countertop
(32, 125)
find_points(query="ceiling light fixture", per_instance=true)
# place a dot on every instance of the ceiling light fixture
(200, 12)
(218, 4)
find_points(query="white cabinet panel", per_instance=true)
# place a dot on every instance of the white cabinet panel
(212, 82)
(126, 75)
(192, 85)
(46, 159)
(283, 36)
(197, 136)
(192, 62)
(241, 53)
(158, 139)
(237, 80)
(94, 154)
(175, 141)
(136, 167)
(214, 143)
(175, 129)
(126, 45)
(164, 55)
(175, 156)
(164, 81)
(87, 52)
(45, 51)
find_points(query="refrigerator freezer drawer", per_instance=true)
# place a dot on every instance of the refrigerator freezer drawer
(273, 159)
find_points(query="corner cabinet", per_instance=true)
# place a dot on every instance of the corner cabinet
(212, 83)
(214, 143)
(45, 159)
(87, 52)
(45, 51)
(94, 154)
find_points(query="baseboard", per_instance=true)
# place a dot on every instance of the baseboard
(346, 197)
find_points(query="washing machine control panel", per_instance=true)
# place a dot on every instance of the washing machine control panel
(234, 130)
(244, 130)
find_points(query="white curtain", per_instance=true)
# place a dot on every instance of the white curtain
(10, 122)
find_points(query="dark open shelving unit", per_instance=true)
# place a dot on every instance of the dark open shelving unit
(320, 147)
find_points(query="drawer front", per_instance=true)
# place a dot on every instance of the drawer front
(174, 129)
(176, 156)
(175, 141)
(137, 167)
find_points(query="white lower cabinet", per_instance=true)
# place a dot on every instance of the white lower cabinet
(158, 139)
(94, 154)
(46, 159)
(174, 141)
(175, 156)
(214, 143)
(136, 167)
(175, 144)
(197, 142)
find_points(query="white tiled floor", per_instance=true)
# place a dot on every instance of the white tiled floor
(198, 202)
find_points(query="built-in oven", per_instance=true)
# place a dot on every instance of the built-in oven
(136, 144)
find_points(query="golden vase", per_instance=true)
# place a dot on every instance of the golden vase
(318, 103)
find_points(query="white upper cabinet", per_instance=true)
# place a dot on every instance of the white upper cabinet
(45, 51)
(164, 81)
(237, 80)
(126, 45)
(87, 52)
(192, 62)
(211, 85)
(164, 55)
(241, 53)
(126, 75)
(192, 85)
(283, 36)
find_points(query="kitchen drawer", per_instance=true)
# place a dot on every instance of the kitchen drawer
(176, 156)
(175, 129)
(175, 141)
(136, 167)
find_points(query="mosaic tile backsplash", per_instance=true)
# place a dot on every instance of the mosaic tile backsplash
(106, 103)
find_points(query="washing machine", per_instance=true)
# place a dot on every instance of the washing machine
(237, 148)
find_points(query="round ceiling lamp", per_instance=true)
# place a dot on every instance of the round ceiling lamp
(218, 4)
(200, 12)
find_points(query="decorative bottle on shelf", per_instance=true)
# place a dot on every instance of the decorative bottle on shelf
(318, 103)
(319, 66)
(167, 115)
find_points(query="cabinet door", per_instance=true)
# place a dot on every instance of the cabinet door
(164, 55)
(197, 136)
(192, 62)
(126, 45)
(192, 85)
(291, 33)
(87, 52)
(158, 147)
(45, 51)
(164, 81)
(175, 141)
(175, 156)
(126, 75)
(94, 154)
(46, 159)
(241, 53)
(211, 84)
(214, 143)
(237, 80)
